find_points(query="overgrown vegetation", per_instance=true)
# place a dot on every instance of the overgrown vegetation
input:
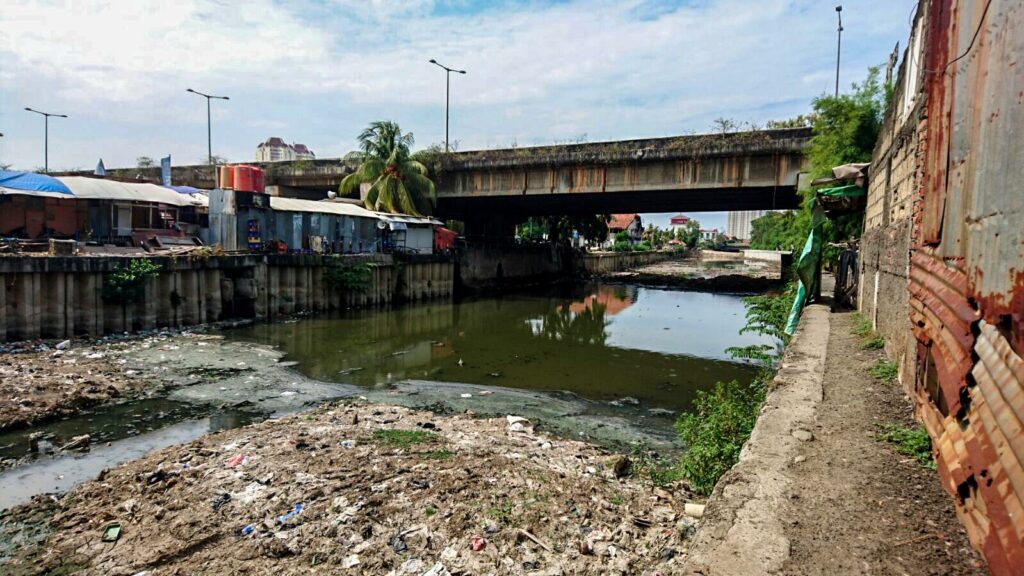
(884, 370)
(845, 130)
(715, 429)
(913, 442)
(722, 418)
(127, 283)
(348, 276)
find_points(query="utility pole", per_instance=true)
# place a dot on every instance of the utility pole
(447, 93)
(209, 132)
(839, 43)
(46, 136)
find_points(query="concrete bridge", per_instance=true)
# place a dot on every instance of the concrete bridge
(732, 171)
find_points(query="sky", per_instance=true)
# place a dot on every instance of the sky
(318, 71)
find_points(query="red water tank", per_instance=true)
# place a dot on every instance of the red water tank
(227, 177)
(257, 179)
(243, 178)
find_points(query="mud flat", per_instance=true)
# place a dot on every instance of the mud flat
(710, 271)
(360, 488)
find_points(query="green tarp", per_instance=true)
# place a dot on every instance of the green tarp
(807, 268)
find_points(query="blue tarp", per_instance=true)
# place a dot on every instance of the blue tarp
(184, 189)
(33, 182)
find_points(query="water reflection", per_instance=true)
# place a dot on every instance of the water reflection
(600, 341)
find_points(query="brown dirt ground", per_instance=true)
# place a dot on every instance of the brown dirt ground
(858, 506)
(544, 505)
(37, 386)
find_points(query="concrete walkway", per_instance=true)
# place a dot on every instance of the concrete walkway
(816, 491)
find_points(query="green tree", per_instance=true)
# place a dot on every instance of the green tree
(845, 130)
(559, 229)
(689, 233)
(144, 162)
(397, 182)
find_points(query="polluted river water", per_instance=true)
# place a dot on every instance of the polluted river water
(614, 363)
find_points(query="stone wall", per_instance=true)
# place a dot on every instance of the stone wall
(62, 297)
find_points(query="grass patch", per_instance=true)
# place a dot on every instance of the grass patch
(438, 455)
(394, 438)
(913, 442)
(618, 500)
(502, 513)
(862, 326)
(875, 343)
(430, 511)
(884, 370)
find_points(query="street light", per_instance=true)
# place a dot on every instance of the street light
(46, 136)
(839, 43)
(209, 132)
(447, 93)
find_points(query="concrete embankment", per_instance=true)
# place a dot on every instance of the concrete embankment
(742, 533)
(63, 297)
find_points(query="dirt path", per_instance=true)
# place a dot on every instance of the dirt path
(856, 505)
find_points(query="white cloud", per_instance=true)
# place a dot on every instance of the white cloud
(319, 71)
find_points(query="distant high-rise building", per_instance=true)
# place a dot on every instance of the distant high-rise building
(275, 149)
(738, 225)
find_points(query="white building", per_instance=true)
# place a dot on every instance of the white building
(275, 149)
(738, 225)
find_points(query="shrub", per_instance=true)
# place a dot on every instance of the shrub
(127, 284)
(354, 277)
(620, 246)
(714, 431)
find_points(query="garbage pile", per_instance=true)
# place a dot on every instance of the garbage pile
(45, 382)
(356, 488)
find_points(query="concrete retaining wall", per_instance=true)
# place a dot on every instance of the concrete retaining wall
(494, 267)
(605, 262)
(62, 297)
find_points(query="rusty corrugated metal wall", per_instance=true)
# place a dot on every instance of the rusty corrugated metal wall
(966, 271)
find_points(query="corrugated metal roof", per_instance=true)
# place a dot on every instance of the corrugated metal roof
(407, 219)
(99, 189)
(338, 208)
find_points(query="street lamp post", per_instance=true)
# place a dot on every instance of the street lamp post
(447, 93)
(839, 43)
(46, 135)
(209, 132)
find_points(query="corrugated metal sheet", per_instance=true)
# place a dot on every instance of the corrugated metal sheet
(966, 280)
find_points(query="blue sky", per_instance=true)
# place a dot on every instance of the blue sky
(317, 71)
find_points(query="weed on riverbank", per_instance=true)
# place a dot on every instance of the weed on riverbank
(721, 419)
(913, 442)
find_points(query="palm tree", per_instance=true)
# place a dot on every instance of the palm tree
(397, 182)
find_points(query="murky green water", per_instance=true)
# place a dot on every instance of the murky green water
(602, 342)
(611, 363)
